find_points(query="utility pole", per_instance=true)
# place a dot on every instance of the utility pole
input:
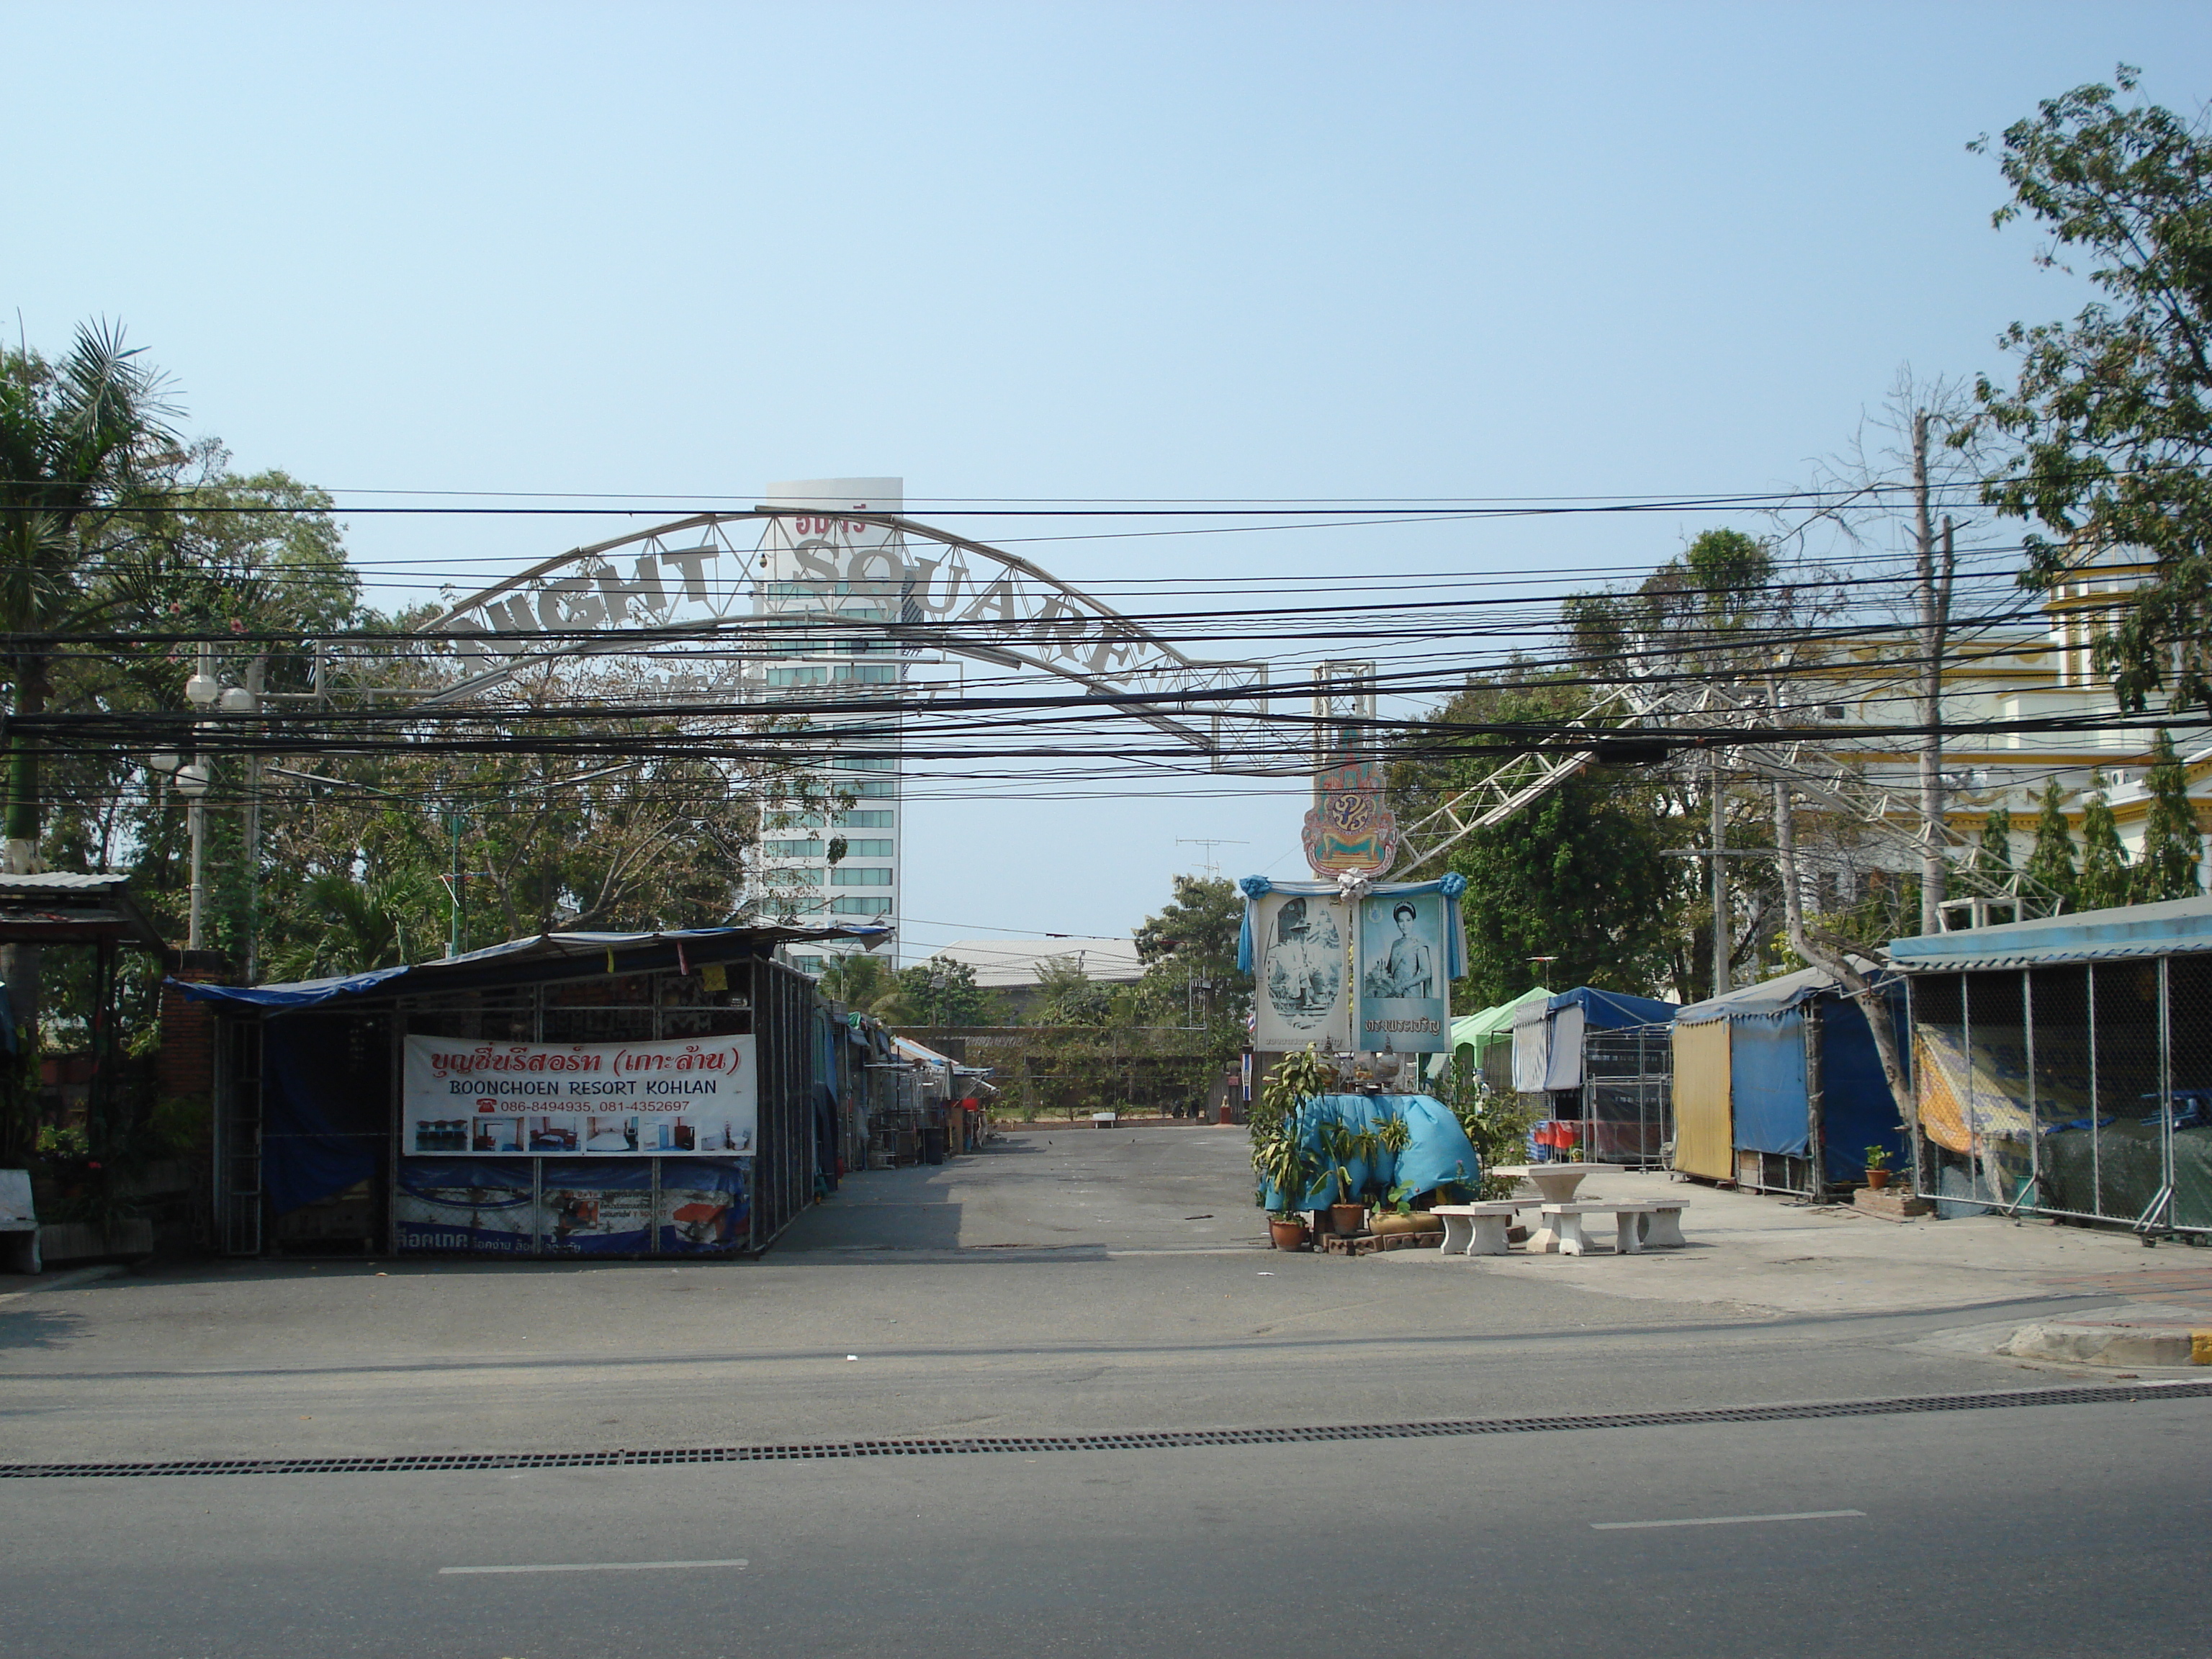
(1724, 930)
(454, 825)
(255, 679)
(1933, 570)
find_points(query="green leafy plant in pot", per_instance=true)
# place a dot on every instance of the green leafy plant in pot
(1394, 1199)
(1341, 1147)
(1282, 1156)
(1877, 1167)
(1286, 1164)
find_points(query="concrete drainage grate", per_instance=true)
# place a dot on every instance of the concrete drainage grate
(1162, 1440)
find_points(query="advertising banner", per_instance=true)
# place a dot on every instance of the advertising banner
(1405, 994)
(681, 1097)
(597, 1206)
(1298, 941)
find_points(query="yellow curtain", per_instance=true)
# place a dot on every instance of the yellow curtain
(1705, 1128)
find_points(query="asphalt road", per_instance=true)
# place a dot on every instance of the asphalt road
(1082, 1283)
(2074, 1530)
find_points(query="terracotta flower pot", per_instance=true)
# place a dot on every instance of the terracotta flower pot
(1347, 1220)
(1878, 1179)
(1287, 1235)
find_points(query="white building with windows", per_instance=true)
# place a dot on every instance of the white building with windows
(830, 848)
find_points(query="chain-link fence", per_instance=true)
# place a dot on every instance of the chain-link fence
(2080, 1090)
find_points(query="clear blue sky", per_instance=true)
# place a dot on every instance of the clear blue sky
(1066, 251)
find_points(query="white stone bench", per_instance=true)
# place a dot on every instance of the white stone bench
(1476, 1229)
(1104, 1120)
(19, 1225)
(1656, 1224)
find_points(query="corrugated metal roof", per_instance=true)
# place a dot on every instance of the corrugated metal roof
(2175, 927)
(63, 881)
(712, 943)
(63, 907)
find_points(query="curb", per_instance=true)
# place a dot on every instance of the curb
(2112, 1344)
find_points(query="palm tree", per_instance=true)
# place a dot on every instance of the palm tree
(77, 441)
(77, 438)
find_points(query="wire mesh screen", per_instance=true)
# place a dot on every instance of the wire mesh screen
(2188, 1087)
(1627, 1096)
(2082, 1091)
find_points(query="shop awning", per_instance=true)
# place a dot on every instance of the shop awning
(2171, 928)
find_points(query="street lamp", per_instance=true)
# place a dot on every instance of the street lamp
(194, 776)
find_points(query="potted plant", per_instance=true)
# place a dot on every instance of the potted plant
(1393, 1206)
(1287, 1165)
(1877, 1167)
(1284, 1154)
(1341, 1148)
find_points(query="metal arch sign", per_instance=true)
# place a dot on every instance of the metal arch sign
(813, 578)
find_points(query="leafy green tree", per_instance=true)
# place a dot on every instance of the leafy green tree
(1578, 876)
(939, 992)
(1068, 996)
(1993, 855)
(380, 923)
(857, 979)
(2113, 411)
(1189, 953)
(2105, 880)
(81, 441)
(2173, 847)
(2051, 862)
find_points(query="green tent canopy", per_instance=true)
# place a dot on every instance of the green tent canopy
(1479, 1031)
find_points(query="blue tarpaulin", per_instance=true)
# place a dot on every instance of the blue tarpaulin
(1767, 1067)
(324, 1121)
(1769, 1098)
(1437, 1151)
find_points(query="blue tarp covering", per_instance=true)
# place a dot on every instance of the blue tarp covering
(1612, 1010)
(324, 1121)
(1437, 1152)
(1766, 1069)
(1856, 1111)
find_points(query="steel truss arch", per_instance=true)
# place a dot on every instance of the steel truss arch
(826, 577)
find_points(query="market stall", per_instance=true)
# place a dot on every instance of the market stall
(607, 1094)
(2064, 1066)
(1604, 1062)
(1778, 1087)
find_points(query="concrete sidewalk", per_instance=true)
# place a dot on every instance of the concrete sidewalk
(1758, 1254)
(1062, 1280)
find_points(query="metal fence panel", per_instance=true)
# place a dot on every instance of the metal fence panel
(2078, 1090)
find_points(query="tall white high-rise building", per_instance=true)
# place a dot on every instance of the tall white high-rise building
(829, 582)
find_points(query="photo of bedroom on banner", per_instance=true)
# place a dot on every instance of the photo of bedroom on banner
(1354, 966)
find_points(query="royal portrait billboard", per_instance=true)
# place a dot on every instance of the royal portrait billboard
(1405, 987)
(1301, 995)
